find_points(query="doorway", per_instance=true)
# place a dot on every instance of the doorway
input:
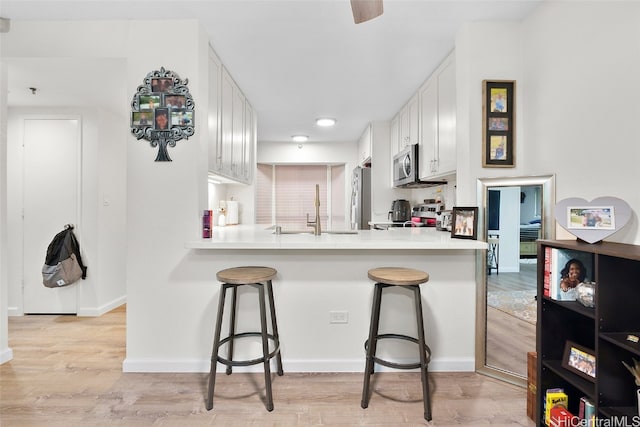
(51, 199)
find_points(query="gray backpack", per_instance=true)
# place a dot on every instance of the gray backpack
(63, 263)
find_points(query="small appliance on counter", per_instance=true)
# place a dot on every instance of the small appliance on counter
(232, 212)
(443, 221)
(427, 213)
(400, 211)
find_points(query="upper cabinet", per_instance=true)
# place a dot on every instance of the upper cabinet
(407, 125)
(213, 116)
(364, 146)
(232, 126)
(437, 98)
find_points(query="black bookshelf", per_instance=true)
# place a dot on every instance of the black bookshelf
(604, 329)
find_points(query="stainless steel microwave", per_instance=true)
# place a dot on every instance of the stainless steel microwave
(405, 166)
(405, 169)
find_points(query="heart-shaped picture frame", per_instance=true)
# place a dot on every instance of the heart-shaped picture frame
(595, 220)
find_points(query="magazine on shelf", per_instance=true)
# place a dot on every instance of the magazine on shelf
(564, 269)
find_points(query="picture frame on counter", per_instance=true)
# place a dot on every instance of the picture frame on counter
(498, 126)
(579, 360)
(464, 223)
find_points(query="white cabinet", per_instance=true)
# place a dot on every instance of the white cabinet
(447, 119)
(226, 124)
(213, 115)
(237, 134)
(394, 134)
(429, 128)
(364, 146)
(249, 142)
(408, 121)
(232, 126)
(437, 150)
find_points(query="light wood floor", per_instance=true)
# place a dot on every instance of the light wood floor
(509, 338)
(66, 371)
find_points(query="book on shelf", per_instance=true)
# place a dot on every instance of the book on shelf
(554, 397)
(561, 417)
(587, 412)
(564, 269)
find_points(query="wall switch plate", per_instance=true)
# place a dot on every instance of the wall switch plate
(338, 317)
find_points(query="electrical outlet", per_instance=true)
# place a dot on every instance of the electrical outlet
(338, 317)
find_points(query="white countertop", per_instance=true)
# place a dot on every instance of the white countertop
(263, 237)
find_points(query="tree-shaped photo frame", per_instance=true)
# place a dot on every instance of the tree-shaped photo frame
(162, 111)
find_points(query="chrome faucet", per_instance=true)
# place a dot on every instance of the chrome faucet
(316, 224)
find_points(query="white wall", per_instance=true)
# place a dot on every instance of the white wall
(581, 67)
(570, 61)
(475, 63)
(5, 352)
(166, 306)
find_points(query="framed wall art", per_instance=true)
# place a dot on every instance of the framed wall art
(162, 111)
(498, 124)
(464, 223)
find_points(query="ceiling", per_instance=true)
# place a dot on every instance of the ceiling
(294, 60)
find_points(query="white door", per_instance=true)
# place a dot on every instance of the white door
(51, 200)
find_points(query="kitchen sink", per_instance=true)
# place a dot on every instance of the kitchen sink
(310, 231)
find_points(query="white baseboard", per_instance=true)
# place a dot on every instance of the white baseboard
(327, 365)
(6, 355)
(99, 311)
(83, 311)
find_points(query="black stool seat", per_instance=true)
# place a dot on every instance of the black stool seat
(233, 278)
(409, 279)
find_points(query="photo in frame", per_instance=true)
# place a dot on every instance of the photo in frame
(498, 127)
(161, 119)
(181, 117)
(162, 84)
(141, 118)
(591, 217)
(464, 222)
(149, 102)
(579, 360)
(174, 101)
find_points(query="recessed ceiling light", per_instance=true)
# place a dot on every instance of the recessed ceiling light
(325, 121)
(300, 138)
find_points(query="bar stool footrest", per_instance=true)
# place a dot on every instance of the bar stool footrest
(394, 365)
(252, 361)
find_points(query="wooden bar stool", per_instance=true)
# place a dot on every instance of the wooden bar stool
(258, 277)
(407, 278)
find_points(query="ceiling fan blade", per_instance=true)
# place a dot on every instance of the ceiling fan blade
(364, 10)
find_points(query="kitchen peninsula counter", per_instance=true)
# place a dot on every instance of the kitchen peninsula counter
(318, 276)
(263, 237)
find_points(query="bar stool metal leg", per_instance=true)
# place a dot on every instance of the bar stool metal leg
(214, 352)
(265, 349)
(232, 325)
(373, 333)
(424, 363)
(274, 327)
